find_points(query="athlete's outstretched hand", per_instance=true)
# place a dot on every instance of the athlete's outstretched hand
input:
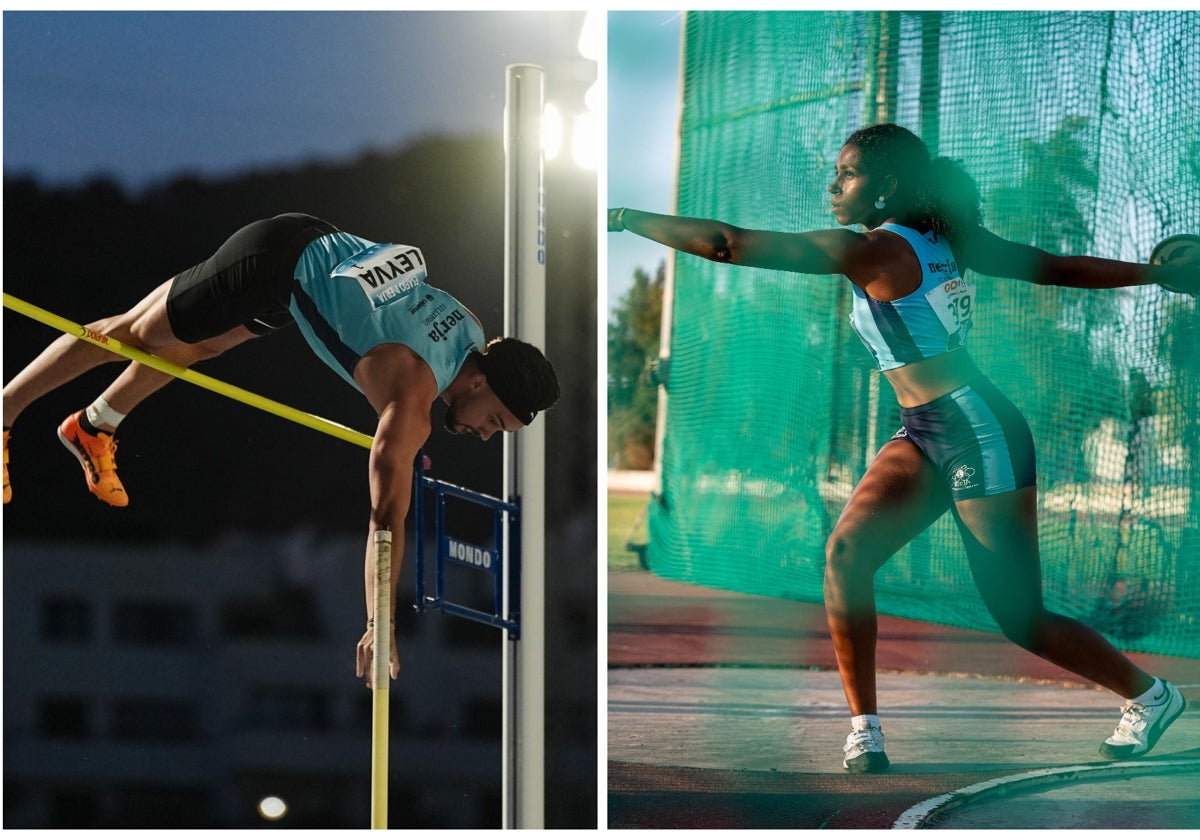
(366, 652)
(615, 220)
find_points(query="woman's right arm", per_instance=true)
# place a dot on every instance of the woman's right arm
(816, 252)
(987, 253)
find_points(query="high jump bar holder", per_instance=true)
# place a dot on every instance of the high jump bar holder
(502, 564)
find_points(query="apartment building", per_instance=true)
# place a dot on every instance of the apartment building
(176, 685)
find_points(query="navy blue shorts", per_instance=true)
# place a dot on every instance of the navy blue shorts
(977, 439)
(247, 282)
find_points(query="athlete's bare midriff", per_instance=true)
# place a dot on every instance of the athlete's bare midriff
(921, 382)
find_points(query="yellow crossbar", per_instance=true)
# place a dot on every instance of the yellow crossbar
(225, 389)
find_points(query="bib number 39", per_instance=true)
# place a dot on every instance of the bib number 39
(953, 302)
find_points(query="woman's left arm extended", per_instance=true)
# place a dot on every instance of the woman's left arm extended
(815, 252)
(987, 253)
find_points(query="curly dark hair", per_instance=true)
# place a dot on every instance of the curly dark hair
(520, 376)
(935, 194)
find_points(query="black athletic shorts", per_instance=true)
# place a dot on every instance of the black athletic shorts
(248, 281)
(977, 439)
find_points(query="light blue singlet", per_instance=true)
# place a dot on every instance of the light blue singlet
(933, 320)
(354, 295)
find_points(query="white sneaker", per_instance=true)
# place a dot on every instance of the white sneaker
(864, 751)
(1142, 725)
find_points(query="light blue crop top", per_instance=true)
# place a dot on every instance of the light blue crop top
(353, 294)
(932, 320)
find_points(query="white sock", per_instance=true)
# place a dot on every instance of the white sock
(102, 415)
(864, 721)
(1153, 695)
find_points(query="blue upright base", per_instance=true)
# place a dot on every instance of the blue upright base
(448, 549)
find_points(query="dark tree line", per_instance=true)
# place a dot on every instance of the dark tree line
(633, 349)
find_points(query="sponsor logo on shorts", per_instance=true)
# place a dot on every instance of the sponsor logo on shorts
(960, 479)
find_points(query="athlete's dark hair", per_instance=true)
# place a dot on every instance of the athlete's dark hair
(936, 194)
(520, 376)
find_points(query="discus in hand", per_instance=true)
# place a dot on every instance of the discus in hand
(1180, 250)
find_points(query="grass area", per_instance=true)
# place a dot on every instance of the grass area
(624, 511)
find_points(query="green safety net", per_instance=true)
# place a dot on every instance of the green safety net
(1083, 132)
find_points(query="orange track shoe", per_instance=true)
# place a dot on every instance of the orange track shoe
(7, 486)
(98, 456)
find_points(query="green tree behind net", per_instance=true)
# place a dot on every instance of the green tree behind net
(1083, 132)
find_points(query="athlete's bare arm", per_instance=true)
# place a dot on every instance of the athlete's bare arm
(400, 387)
(877, 261)
(987, 253)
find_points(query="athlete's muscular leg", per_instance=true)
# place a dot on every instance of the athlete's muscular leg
(1000, 534)
(900, 496)
(137, 381)
(145, 327)
(68, 357)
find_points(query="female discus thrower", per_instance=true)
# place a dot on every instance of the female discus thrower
(963, 445)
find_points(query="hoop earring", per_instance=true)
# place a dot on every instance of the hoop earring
(880, 203)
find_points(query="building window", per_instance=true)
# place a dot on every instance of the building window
(73, 807)
(146, 806)
(287, 612)
(63, 718)
(484, 718)
(289, 708)
(472, 635)
(155, 720)
(67, 620)
(156, 623)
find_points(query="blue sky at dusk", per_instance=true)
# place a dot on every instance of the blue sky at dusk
(643, 110)
(142, 96)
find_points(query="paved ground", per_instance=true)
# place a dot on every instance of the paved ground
(724, 711)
